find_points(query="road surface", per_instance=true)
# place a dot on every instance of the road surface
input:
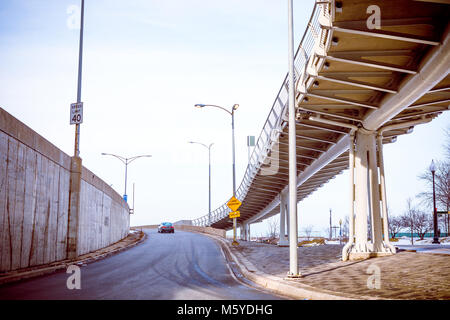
(182, 265)
(427, 248)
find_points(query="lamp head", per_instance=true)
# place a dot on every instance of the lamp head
(199, 105)
(235, 106)
(432, 166)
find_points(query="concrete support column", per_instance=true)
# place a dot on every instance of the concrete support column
(286, 210)
(367, 199)
(74, 207)
(351, 222)
(244, 231)
(283, 241)
(383, 194)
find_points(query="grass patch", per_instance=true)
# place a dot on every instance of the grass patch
(307, 243)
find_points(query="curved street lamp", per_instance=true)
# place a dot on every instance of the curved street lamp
(233, 109)
(435, 223)
(209, 166)
(125, 161)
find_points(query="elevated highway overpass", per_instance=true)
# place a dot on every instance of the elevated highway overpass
(365, 73)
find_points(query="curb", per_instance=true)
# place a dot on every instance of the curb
(16, 276)
(284, 287)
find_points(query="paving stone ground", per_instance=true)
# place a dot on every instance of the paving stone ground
(405, 275)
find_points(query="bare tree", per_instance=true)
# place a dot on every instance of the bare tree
(422, 223)
(273, 227)
(326, 232)
(442, 183)
(307, 231)
(396, 224)
(345, 227)
(442, 189)
(447, 143)
(416, 220)
(408, 218)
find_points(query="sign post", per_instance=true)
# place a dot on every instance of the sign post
(234, 204)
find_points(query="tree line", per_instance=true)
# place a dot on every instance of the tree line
(415, 219)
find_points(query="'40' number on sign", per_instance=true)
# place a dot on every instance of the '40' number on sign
(76, 113)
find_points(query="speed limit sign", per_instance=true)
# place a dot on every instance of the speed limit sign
(76, 113)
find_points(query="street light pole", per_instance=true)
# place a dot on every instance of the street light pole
(234, 108)
(331, 227)
(235, 242)
(234, 156)
(293, 228)
(209, 184)
(125, 161)
(435, 222)
(209, 175)
(80, 64)
(126, 173)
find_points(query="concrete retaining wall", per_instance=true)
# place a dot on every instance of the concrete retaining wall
(104, 216)
(34, 201)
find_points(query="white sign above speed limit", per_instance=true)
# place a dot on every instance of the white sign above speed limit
(76, 113)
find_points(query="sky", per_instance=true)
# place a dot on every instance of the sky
(146, 63)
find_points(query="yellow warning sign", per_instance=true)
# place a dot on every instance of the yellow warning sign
(234, 203)
(235, 214)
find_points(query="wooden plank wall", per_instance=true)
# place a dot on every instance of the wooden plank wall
(34, 201)
(33, 206)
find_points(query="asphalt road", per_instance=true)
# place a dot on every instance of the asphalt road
(431, 248)
(182, 265)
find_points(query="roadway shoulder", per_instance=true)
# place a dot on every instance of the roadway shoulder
(290, 288)
(131, 240)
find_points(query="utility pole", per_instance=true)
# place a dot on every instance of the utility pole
(293, 228)
(435, 220)
(331, 227)
(80, 68)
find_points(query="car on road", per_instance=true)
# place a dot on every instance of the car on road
(166, 227)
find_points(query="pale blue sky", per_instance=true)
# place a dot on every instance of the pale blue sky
(146, 63)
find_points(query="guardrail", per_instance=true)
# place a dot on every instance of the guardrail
(275, 120)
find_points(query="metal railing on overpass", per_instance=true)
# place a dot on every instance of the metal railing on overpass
(273, 124)
(352, 81)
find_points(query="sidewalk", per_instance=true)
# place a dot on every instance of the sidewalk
(405, 275)
(135, 237)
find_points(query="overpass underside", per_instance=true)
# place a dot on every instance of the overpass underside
(366, 72)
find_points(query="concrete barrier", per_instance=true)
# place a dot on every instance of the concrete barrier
(35, 194)
(208, 230)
